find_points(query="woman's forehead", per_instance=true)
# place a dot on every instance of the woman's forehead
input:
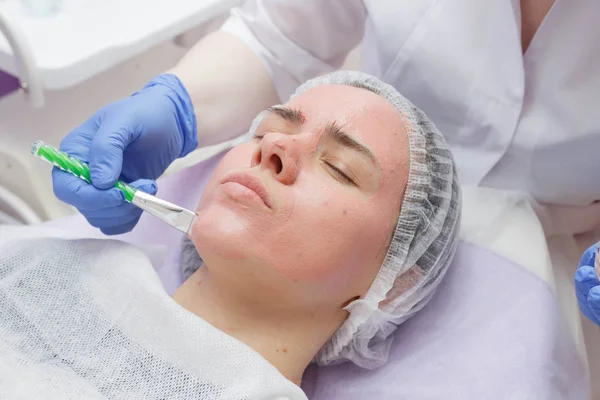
(347, 105)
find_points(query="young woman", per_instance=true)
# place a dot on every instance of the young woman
(319, 235)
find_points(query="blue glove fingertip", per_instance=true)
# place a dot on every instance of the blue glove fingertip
(593, 302)
(588, 256)
(594, 296)
(586, 283)
(585, 280)
(586, 274)
(146, 185)
(101, 179)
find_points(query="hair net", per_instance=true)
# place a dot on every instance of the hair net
(423, 243)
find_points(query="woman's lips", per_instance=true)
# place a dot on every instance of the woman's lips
(247, 188)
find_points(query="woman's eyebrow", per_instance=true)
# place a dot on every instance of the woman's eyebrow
(334, 131)
(291, 115)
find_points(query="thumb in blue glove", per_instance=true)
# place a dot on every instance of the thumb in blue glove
(587, 286)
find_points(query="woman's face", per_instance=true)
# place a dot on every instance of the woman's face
(301, 215)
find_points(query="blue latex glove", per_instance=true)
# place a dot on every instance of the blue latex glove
(587, 286)
(135, 140)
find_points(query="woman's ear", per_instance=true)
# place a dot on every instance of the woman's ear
(402, 283)
(345, 304)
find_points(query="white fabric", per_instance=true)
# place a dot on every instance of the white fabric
(424, 240)
(89, 319)
(513, 122)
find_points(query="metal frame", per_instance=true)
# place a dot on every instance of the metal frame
(29, 77)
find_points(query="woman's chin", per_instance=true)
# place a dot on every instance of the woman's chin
(226, 238)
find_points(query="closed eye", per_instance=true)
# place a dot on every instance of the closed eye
(263, 133)
(340, 174)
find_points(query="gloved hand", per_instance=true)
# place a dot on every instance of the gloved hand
(135, 140)
(587, 286)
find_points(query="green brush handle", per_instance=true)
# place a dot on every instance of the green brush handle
(72, 165)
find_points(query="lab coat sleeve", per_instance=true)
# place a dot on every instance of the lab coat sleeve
(298, 39)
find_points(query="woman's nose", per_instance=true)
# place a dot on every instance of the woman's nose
(278, 153)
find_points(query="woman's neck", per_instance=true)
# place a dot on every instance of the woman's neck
(288, 342)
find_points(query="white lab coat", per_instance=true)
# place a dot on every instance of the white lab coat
(528, 123)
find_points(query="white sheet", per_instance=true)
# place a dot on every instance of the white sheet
(89, 319)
